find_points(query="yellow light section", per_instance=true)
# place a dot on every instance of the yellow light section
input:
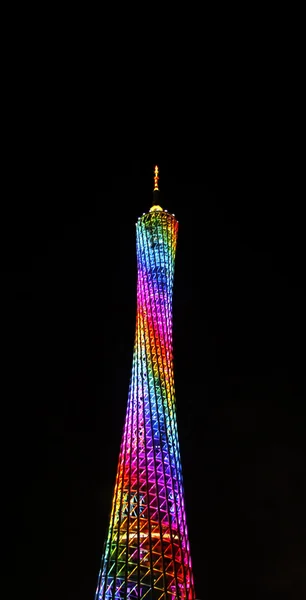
(155, 207)
(156, 178)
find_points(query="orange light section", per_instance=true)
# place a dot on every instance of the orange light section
(156, 178)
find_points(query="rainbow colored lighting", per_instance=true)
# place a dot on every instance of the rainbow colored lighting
(146, 553)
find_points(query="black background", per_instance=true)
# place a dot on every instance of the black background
(79, 159)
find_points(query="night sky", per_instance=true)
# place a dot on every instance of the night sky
(77, 187)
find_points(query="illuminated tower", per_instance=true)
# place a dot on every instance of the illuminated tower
(146, 553)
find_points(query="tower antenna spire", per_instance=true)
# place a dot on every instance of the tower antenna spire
(156, 178)
(156, 194)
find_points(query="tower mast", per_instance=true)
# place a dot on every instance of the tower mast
(155, 202)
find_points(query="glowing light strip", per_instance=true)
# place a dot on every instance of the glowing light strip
(156, 178)
(147, 553)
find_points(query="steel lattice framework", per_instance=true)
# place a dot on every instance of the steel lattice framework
(146, 553)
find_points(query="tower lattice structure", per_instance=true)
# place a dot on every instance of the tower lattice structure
(146, 552)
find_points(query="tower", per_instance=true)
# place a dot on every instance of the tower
(146, 552)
